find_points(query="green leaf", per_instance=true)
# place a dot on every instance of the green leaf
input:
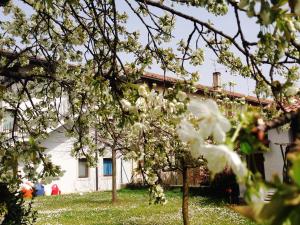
(295, 169)
(295, 216)
(246, 147)
(276, 211)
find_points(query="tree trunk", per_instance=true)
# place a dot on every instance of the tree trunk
(185, 196)
(114, 177)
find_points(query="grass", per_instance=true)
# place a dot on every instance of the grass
(132, 208)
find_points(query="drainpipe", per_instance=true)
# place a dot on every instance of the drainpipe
(121, 171)
(96, 157)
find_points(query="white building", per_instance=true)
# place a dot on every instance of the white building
(275, 160)
(281, 139)
(77, 175)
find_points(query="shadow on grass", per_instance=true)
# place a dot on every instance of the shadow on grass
(211, 201)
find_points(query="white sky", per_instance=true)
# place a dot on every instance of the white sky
(183, 28)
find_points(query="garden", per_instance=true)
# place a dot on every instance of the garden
(76, 95)
(132, 208)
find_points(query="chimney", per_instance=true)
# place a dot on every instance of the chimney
(216, 80)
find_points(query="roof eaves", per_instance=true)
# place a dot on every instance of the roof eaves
(203, 88)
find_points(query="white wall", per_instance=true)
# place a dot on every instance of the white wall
(105, 182)
(273, 159)
(127, 171)
(59, 147)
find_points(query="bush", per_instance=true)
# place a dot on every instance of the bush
(13, 208)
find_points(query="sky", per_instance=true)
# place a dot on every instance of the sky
(183, 28)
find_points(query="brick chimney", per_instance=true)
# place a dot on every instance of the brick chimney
(216, 80)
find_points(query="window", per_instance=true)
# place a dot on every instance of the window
(7, 122)
(107, 166)
(83, 169)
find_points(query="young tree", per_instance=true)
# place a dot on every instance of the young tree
(167, 138)
(106, 56)
(101, 119)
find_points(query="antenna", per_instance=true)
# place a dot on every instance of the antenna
(215, 66)
(247, 85)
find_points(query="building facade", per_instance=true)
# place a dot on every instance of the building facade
(77, 175)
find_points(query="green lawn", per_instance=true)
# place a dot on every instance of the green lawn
(131, 209)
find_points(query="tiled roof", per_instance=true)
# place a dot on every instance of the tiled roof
(203, 88)
(294, 106)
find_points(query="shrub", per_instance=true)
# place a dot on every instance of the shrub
(13, 209)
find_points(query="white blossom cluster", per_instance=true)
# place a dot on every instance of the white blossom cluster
(291, 91)
(206, 121)
(151, 135)
(153, 100)
(156, 190)
(160, 120)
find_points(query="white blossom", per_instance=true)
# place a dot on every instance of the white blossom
(126, 104)
(291, 26)
(171, 108)
(159, 189)
(292, 91)
(181, 96)
(220, 156)
(195, 144)
(151, 97)
(152, 179)
(186, 131)
(141, 104)
(211, 121)
(297, 25)
(157, 110)
(142, 91)
(138, 127)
